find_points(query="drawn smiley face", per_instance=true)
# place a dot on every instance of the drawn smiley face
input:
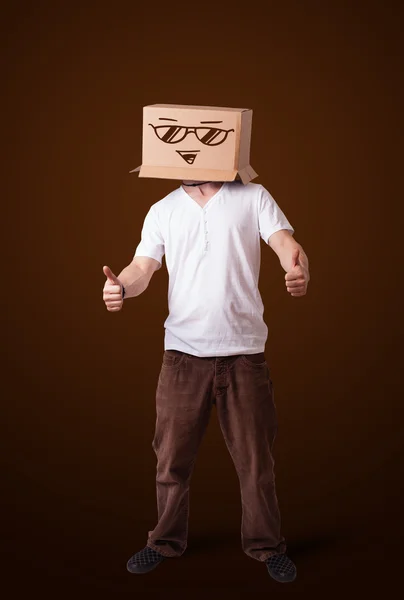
(208, 133)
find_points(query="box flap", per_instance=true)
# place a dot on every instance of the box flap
(186, 173)
(247, 174)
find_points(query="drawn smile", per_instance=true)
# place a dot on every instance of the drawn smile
(188, 155)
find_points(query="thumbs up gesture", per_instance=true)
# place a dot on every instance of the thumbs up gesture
(112, 292)
(297, 278)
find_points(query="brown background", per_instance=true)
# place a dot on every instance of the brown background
(323, 80)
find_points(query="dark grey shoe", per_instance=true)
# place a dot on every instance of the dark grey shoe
(281, 568)
(144, 561)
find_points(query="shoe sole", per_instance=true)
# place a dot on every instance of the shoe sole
(282, 580)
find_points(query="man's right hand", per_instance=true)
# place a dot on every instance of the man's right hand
(112, 293)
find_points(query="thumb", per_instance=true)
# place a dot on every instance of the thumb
(109, 274)
(295, 257)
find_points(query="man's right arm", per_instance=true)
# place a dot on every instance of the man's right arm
(136, 276)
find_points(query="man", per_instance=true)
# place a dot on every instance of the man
(214, 353)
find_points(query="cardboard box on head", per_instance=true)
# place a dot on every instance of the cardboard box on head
(199, 143)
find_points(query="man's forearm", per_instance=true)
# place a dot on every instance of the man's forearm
(134, 280)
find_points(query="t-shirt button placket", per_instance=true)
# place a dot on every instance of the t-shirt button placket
(205, 230)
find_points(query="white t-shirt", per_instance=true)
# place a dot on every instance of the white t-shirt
(213, 258)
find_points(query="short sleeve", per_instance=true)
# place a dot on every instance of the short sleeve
(152, 242)
(270, 217)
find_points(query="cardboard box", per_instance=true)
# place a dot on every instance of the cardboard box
(199, 143)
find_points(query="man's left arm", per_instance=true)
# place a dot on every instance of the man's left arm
(294, 261)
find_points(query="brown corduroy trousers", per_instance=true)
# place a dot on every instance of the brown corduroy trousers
(242, 391)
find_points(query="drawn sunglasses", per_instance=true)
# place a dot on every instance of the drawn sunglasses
(173, 134)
